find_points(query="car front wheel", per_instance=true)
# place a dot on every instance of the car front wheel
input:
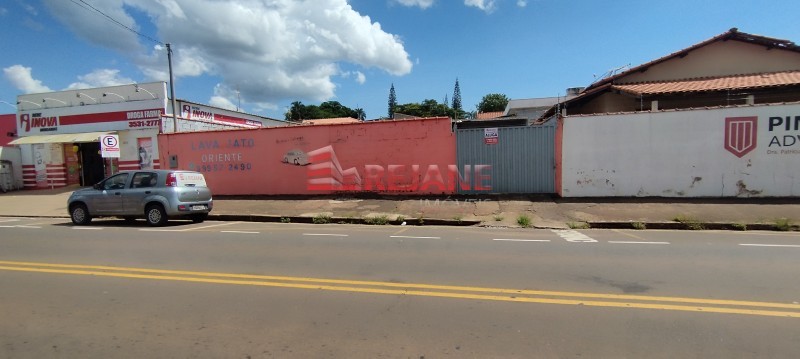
(155, 215)
(80, 214)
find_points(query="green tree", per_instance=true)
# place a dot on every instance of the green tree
(329, 109)
(295, 112)
(360, 114)
(493, 102)
(428, 108)
(458, 111)
(392, 102)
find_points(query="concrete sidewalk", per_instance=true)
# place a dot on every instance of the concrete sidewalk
(499, 211)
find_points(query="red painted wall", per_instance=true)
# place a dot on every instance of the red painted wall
(410, 156)
(8, 123)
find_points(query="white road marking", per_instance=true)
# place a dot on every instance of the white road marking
(574, 236)
(636, 242)
(9, 220)
(34, 227)
(326, 234)
(770, 245)
(242, 232)
(8, 226)
(209, 226)
(414, 237)
(520, 240)
(158, 230)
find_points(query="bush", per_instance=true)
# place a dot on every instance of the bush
(379, 220)
(498, 218)
(783, 224)
(578, 225)
(739, 226)
(524, 221)
(322, 219)
(639, 225)
(690, 222)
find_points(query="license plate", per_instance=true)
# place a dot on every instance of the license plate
(198, 208)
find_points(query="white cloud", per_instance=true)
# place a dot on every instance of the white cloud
(20, 77)
(522, 3)
(423, 4)
(360, 77)
(100, 78)
(271, 50)
(221, 102)
(487, 6)
(223, 98)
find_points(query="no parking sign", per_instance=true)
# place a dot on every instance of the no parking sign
(109, 146)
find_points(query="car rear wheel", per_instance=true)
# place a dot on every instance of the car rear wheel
(80, 215)
(155, 215)
(199, 218)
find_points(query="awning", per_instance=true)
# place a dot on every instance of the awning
(63, 138)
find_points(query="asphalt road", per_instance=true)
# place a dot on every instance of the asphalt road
(239, 290)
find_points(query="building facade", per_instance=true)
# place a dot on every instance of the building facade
(58, 133)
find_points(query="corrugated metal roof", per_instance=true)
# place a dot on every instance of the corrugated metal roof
(734, 82)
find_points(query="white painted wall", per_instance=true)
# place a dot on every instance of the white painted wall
(679, 154)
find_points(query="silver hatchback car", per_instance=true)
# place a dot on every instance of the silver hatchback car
(155, 195)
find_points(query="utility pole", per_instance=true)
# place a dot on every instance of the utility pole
(172, 91)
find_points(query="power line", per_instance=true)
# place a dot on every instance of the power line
(83, 4)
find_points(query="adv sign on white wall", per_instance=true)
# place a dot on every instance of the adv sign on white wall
(751, 151)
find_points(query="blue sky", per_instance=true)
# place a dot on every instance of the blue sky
(278, 51)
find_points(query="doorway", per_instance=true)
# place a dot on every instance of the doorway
(92, 165)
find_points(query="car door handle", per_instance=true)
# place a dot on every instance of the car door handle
(117, 193)
(147, 192)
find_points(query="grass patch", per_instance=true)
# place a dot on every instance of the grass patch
(739, 226)
(783, 224)
(578, 225)
(377, 220)
(420, 220)
(457, 218)
(639, 225)
(524, 221)
(498, 218)
(691, 223)
(286, 220)
(322, 219)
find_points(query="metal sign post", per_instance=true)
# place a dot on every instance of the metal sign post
(109, 148)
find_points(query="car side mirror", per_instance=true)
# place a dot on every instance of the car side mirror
(98, 186)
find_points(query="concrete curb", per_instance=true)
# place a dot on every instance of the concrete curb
(341, 220)
(696, 226)
(690, 226)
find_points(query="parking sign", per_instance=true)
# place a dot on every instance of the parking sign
(109, 146)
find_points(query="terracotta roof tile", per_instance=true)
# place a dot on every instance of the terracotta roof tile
(488, 115)
(733, 82)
